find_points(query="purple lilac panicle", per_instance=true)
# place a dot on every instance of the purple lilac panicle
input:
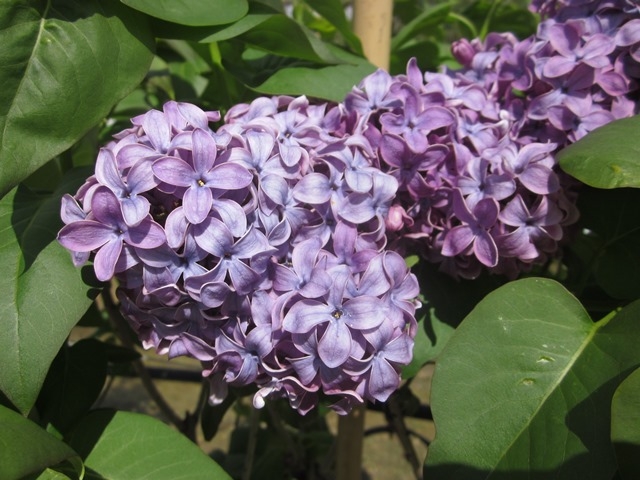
(493, 198)
(252, 249)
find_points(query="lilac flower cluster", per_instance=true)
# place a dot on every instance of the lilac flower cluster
(473, 149)
(271, 248)
(257, 249)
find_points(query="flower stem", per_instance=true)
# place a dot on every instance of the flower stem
(254, 424)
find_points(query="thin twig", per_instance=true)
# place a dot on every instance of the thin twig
(121, 330)
(254, 423)
(401, 430)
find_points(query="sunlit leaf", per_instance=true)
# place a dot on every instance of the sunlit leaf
(523, 389)
(445, 303)
(63, 65)
(192, 12)
(27, 449)
(44, 295)
(328, 83)
(608, 157)
(124, 446)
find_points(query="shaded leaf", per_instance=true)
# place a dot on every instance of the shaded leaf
(625, 426)
(256, 14)
(611, 220)
(192, 12)
(283, 36)
(212, 416)
(44, 295)
(124, 445)
(333, 11)
(608, 157)
(73, 384)
(58, 77)
(431, 17)
(27, 449)
(523, 388)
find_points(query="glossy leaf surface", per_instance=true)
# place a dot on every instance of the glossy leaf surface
(59, 77)
(523, 388)
(124, 445)
(44, 294)
(608, 157)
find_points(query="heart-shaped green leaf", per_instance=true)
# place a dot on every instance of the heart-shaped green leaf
(123, 446)
(63, 65)
(608, 157)
(523, 388)
(27, 449)
(192, 12)
(44, 295)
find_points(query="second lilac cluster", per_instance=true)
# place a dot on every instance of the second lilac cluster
(473, 149)
(257, 249)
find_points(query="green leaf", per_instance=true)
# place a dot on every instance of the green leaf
(611, 219)
(27, 449)
(446, 302)
(44, 295)
(523, 388)
(73, 384)
(283, 36)
(430, 18)
(625, 426)
(333, 11)
(192, 12)
(608, 157)
(63, 65)
(124, 446)
(328, 83)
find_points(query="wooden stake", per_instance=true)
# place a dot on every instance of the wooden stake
(372, 21)
(349, 446)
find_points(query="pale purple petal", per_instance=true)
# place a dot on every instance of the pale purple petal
(306, 314)
(174, 171)
(363, 313)
(383, 379)
(314, 188)
(228, 176)
(106, 258)
(457, 240)
(335, 344)
(485, 249)
(85, 235)
(197, 203)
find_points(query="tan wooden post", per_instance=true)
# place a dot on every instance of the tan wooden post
(372, 20)
(349, 446)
